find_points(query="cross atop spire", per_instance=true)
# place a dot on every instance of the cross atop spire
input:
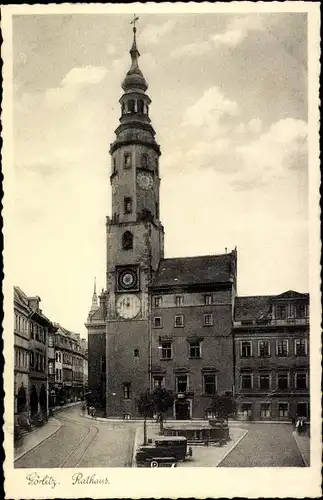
(135, 19)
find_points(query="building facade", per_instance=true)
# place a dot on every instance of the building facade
(271, 338)
(70, 356)
(191, 324)
(174, 323)
(32, 332)
(21, 352)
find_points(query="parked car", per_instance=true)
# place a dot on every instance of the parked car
(163, 451)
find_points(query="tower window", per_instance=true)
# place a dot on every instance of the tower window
(140, 106)
(114, 166)
(128, 205)
(136, 353)
(127, 160)
(144, 161)
(131, 106)
(127, 391)
(127, 241)
(123, 108)
(156, 210)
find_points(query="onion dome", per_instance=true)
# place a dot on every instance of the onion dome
(134, 78)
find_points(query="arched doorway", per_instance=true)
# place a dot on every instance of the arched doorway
(182, 409)
(43, 399)
(21, 399)
(33, 401)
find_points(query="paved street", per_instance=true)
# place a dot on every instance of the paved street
(82, 442)
(265, 445)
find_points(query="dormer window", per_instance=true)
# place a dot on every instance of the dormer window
(280, 312)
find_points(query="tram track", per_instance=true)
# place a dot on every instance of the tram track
(76, 455)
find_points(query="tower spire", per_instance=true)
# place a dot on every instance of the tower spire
(134, 77)
(95, 305)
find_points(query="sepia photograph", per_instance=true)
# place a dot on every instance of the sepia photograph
(161, 222)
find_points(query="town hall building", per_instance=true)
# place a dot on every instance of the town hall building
(161, 322)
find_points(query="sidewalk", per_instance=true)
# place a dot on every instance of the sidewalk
(35, 437)
(203, 456)
(40, 434)
(303, 444)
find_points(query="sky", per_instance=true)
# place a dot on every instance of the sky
(229, 106)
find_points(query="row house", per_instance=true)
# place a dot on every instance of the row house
(32, 330)
(69, 365)
(271, 339)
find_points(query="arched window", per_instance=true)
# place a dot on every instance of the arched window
(131, 106)
(144, 160)
(140, 106)
(127, 241)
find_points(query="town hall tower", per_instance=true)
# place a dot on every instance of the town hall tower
(135, 244)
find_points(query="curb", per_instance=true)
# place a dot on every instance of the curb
(304, 460)
(18, 457)
(231, 449)
(135, 446)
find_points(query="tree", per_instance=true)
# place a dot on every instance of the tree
(145, 406)
(162, 400)
(223, 405)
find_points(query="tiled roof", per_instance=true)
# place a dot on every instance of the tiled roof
(259, 306)
(20, 297)
(250, 308)
(181, 271)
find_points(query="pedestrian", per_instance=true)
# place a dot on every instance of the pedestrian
(83, 409)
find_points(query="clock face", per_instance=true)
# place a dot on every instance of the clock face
(145, 180)
(127, 279)
(128, 306)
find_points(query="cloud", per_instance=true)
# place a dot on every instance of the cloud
(236, 32)
(84, 76)
(273, 154)
(253, 157)
(238, 29)
(192, 49)
(209, 109)
(75, 80)
(152, 33)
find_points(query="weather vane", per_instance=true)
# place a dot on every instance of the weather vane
(135, 19)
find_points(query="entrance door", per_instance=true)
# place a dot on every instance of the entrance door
(301, 409)
(182, 410)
